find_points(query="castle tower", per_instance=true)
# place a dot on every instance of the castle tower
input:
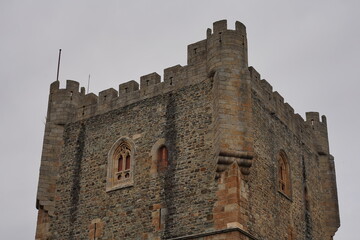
(209, 152)
(61, 110)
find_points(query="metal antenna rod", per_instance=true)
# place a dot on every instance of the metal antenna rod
(88, 84)
(58, 68)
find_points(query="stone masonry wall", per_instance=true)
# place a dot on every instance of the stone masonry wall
(186, 189)
(273, 213)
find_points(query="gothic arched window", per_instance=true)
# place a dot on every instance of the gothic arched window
(120, 164)
(284, 180)
(123, 156)
(159, 157)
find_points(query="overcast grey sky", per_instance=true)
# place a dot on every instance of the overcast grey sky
(308, 50)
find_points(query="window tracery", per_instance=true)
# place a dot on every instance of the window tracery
(120, 164)
(123, 156)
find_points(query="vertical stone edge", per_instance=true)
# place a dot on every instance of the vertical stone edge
(62, 106)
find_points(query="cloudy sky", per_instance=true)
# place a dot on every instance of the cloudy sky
(308, 50)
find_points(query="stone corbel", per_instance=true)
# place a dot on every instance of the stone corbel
(243, 160)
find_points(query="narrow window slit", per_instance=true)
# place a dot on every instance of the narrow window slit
(95, 231)
(163, 160)
(284, 179)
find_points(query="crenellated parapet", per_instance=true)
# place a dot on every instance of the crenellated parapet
(222, 47)
(75, 105)
(226, 46)
(312, 130)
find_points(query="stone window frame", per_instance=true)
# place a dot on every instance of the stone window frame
(120, 147)
(290, 233)
(96, 229)
(156, 165)
(284, 174)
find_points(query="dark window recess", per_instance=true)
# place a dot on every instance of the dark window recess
(284, 174)
(163, 160)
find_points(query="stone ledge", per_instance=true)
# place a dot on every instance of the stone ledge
(205, 234)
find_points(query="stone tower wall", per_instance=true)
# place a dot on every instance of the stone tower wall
(224, 128)
(312, 211)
